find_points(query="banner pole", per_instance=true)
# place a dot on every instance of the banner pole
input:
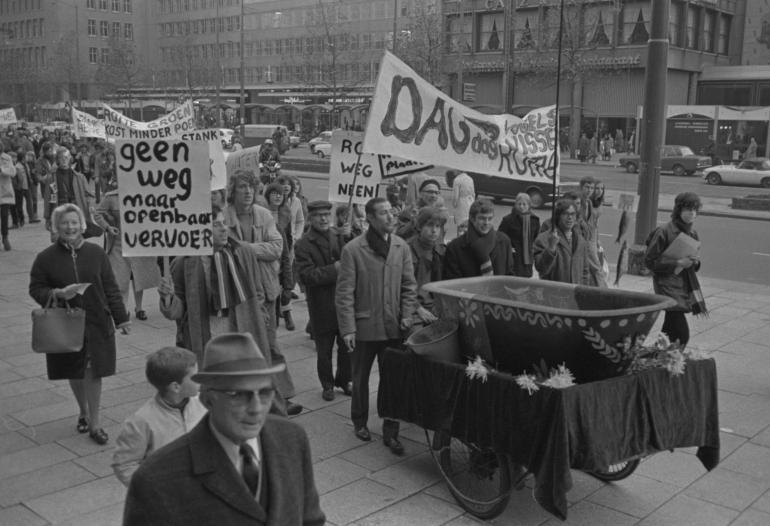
(556, 125)
(350, 199)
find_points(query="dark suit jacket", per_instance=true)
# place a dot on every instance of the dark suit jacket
(191, 481)
(315, 256)
(459, 261)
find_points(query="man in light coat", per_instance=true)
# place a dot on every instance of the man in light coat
(376, 296)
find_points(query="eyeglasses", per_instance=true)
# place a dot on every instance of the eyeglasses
(435, 192)
(243, 397)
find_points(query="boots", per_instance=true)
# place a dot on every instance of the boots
(7, 246)
(288, 320)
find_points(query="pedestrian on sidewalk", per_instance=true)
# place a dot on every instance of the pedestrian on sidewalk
(7, 195)
(376, 299)
(676, 278)
(68, 260)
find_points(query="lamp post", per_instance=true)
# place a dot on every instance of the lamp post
(242, 78)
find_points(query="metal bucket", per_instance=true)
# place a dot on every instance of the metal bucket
(437, 341)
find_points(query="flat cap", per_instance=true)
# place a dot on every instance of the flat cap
(316, 206)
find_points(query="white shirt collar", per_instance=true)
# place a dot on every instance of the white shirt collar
(233, 450)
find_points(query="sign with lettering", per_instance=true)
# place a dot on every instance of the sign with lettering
(412, 119)
(217, 168)
(355, 173)
(85, 125)
(174, 124)
(165, 197)
(7, 116)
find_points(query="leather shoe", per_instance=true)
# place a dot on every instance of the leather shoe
(363, 434)
(348, 389)
(328, 395)
(395, 445)
(98, 436)
(293, 409)
(289, 321)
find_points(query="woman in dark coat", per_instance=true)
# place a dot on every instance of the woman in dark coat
(521, 226)
(561, 254)
(676, 278)
(71, 260)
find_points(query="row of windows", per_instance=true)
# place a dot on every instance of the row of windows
(104, 5)
(23, 29)
(8, 7)
(110, 29)
(178, 6)
(207, 25)
(102, 56)
(24, 57)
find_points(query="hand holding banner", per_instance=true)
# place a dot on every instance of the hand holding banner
(87, 126)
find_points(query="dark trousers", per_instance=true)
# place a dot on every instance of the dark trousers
(22, 197)
(324, 346)
(33, 196)
(283, 380)
(675, 327)
(5, 211)
(362, 359)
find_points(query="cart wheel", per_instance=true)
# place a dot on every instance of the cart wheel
(478, 478)
(617, 471)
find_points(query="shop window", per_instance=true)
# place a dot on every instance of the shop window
(732, 94)
(491, 32)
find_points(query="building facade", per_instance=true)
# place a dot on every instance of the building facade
(756, 38)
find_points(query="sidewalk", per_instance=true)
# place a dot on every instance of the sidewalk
(49, 474)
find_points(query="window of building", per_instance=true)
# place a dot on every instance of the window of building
(105, 56)
(278, 47)
(91, 4)
(458, 34)
(491, 32)
(93, 55)
(91, 27)
(115, 29)
(230, 49)
(116, 5)
(675, 24)
(709, 23)
(692, 27)
(635, 28)
(128, 31)
(103, 5)
(267, 49)
(230, 24)
(724, 34)
(127, 6)
(257, 48)
(186, 5)
(104, 28)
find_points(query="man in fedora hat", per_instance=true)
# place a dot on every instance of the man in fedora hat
(239, 465)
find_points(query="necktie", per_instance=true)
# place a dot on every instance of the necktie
(250, 469)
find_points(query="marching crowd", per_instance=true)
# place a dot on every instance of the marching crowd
(361, 269)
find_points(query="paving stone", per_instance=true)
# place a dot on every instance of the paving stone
(729, 442)
(20, 516)
(329, 434)
(411, 475)
(687, 511)
(636, 495)
(51, 431)
(110, 515)
(522, 510)
(82, 445)
(25, 386)
(374, 456)
(728, 488)
(589, 514)
(129, 393)
(750, 459)
(763, 502)
(752, 517)
(334, 473)
(465, 520)
(7, 375)
(14, 441)
(419, 509)
(79, 500)
(47, 413)
(763, 438)
(119, 413)
(356, 500)
(19, 403)
(583, 485)
(27, 486)
(99, 464)
(677, 468)
(31, 459)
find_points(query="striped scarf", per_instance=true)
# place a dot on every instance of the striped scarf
(227, 288)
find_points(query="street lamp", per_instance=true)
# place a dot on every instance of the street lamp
(242, 78)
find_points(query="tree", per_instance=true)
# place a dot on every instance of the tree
(66, 72)
(420, 43)
(124, 69)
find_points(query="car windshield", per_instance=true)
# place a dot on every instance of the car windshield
(765, 165)
(686, 150)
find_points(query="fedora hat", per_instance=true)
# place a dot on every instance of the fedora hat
(233, 356)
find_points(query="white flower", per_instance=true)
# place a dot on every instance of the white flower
(527, 381)
(477, 370)
(560, 378)
(662, 342)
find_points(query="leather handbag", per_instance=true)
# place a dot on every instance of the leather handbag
(58, 329)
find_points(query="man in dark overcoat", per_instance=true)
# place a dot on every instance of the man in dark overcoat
(239, 465)
(317, 257)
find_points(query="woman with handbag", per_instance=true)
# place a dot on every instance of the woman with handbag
(70, 260)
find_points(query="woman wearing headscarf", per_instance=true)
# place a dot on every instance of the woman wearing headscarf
(522, 227)
(675, 277)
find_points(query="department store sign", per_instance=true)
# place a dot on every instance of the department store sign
(347, 100)
(295, 100)
(612, 62)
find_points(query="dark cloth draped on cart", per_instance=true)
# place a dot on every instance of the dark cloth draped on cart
(585, 427)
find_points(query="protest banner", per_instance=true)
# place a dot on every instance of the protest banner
(410, 118)
(165, 197)
(7, 117)
(85, 125)
(217, 168)
(180, 120)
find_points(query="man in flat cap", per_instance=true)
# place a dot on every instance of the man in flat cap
(239, 465)
(317, 256)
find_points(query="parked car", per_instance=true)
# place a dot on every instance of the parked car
(322, 149)
(679, 160)
(754, 171)
(294, 139)
(501, 188)
(325, 136)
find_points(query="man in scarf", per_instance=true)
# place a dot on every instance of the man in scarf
(375, 299)
(482, 250)
(428, 258)
(218, 294)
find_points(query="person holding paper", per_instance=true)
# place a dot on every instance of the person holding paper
(673, 257)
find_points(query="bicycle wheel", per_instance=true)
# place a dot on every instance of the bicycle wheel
(617, 471)
(478, 478)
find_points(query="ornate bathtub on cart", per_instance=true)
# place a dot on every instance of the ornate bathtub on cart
(485, 435)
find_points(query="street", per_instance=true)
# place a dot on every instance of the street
(733, 248)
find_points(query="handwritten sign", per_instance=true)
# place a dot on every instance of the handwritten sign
(352, 173)
(217, 168)
(86, 125)
(7, 116)
(410, 118)
(165, 197)
(180, 120)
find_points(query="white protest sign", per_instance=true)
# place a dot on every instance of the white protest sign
(7, 116)
(165, 197)
(217, 167)
(178, 121)
(86, 125)
(410, 118)
(352, 173)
